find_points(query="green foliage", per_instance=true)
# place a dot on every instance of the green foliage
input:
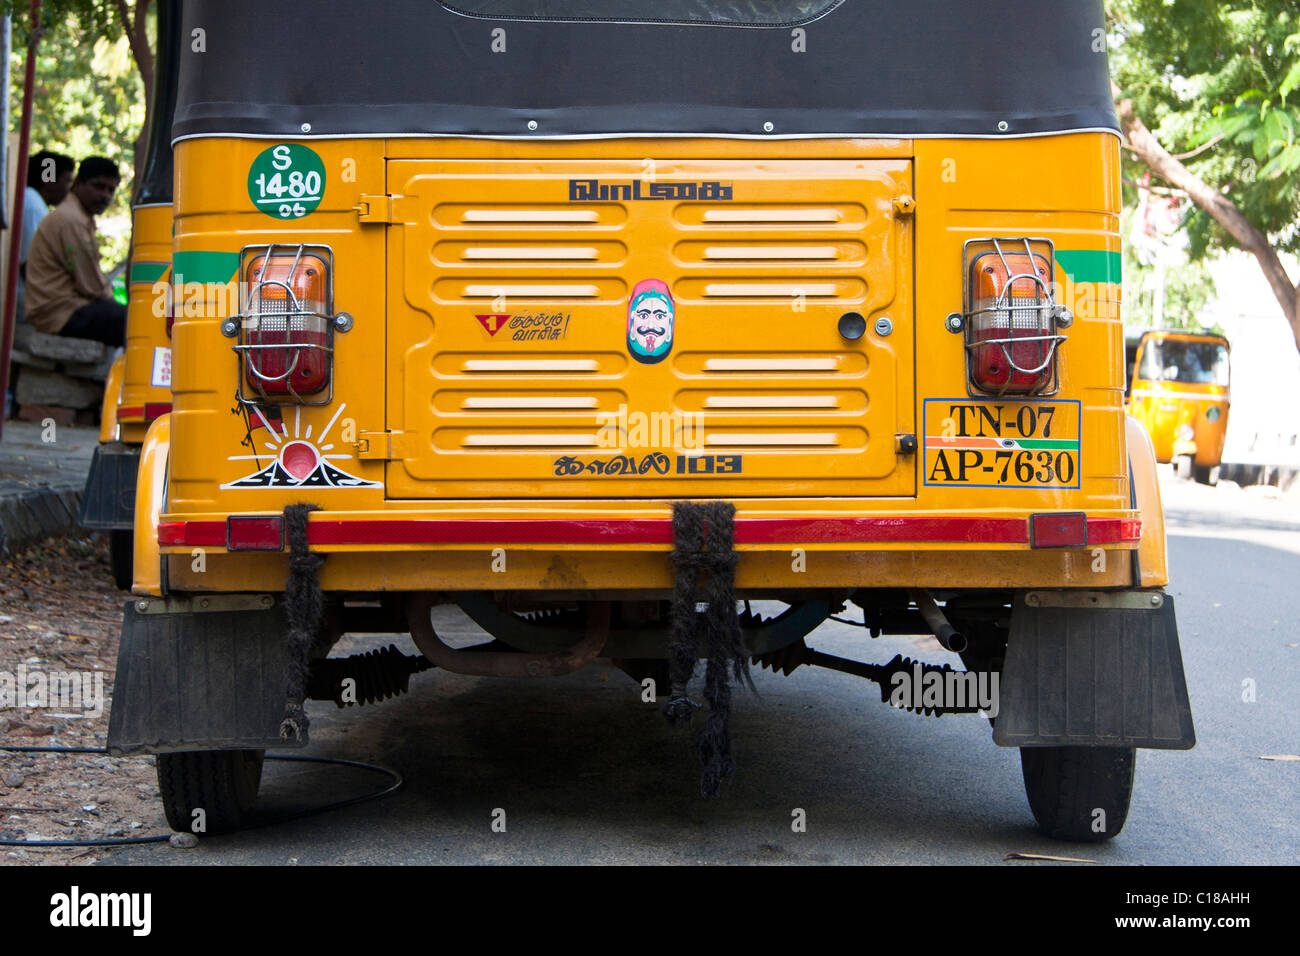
(1188, 290)
(1222, 75)
(89, 98)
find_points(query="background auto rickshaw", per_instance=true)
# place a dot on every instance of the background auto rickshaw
(821, 310)
(1179, 391)
(138, 389)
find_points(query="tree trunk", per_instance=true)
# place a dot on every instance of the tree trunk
(135, 24)
(1216, 205)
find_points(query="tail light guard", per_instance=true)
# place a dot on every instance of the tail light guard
(1010, 320)
(286, 324)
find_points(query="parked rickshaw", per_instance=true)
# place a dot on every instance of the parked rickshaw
(822, 309)
(1179, 390)
(138, 389)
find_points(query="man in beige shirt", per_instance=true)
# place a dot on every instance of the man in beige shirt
(67, 292)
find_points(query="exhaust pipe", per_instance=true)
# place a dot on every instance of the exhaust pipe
(952, 639)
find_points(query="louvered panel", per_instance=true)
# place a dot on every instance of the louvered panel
(560, 255)
(512, 368)
(755, 254)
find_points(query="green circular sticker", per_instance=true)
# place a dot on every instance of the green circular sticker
(286, 181)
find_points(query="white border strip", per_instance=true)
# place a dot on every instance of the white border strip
(591, 136)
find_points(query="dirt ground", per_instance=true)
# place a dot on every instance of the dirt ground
(60, 612)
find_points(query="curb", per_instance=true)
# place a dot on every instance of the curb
(30, 516)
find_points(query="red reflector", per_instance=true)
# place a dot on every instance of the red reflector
(255, 534)
(171, 533)
(154, 410)
(192, 534)
(1058, 530)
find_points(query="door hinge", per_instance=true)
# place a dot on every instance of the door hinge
(382, 209)
(380, 446)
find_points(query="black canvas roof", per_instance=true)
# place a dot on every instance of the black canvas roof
(722, 67)
(154, 182)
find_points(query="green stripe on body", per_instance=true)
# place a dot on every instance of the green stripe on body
(149, 272)
(1051, 443)
(204, 266)
(1091, 265)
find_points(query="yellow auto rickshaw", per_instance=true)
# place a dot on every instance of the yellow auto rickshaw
(820, 309)
(1179, 391)
(138, 389)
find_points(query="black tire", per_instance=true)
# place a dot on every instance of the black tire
(1206, 474)
(1183, 465)
(121, 557)
(221, 783)
(1066, 787)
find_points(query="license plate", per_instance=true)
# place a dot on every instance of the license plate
(1001, 444)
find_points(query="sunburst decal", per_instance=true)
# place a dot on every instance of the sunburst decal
(299, 461)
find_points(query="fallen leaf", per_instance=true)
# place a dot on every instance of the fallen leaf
(1287, 757)
(1044, 856)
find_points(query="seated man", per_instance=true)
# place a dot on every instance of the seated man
(67, 292)
(49, 177)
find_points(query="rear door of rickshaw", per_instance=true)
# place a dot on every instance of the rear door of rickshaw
(771, 349)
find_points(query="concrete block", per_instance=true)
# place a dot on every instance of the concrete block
(57, 347)
(91, 371)
(38, 387)
(19, 357)
(38, 414)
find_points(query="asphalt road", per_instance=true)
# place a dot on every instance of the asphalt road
(585, 772)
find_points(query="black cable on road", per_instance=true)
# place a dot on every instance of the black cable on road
(397, 784)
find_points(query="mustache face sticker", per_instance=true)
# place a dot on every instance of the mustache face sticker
(650, 321)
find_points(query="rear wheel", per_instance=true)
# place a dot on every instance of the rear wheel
(1207, 474)
(1079, 793)
(1183, 465)
(221, 783)
(121, 557)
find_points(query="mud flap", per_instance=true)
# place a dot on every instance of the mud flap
(109, 499)
(191, 677)
(1093, 668)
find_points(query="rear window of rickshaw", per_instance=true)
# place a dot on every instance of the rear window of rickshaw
(754, 13)
(1193, 363)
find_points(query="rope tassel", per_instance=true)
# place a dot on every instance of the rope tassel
(304, 607)
(705, 565)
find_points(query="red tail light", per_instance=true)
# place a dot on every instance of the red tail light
(285, 326)
(1011, 319)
